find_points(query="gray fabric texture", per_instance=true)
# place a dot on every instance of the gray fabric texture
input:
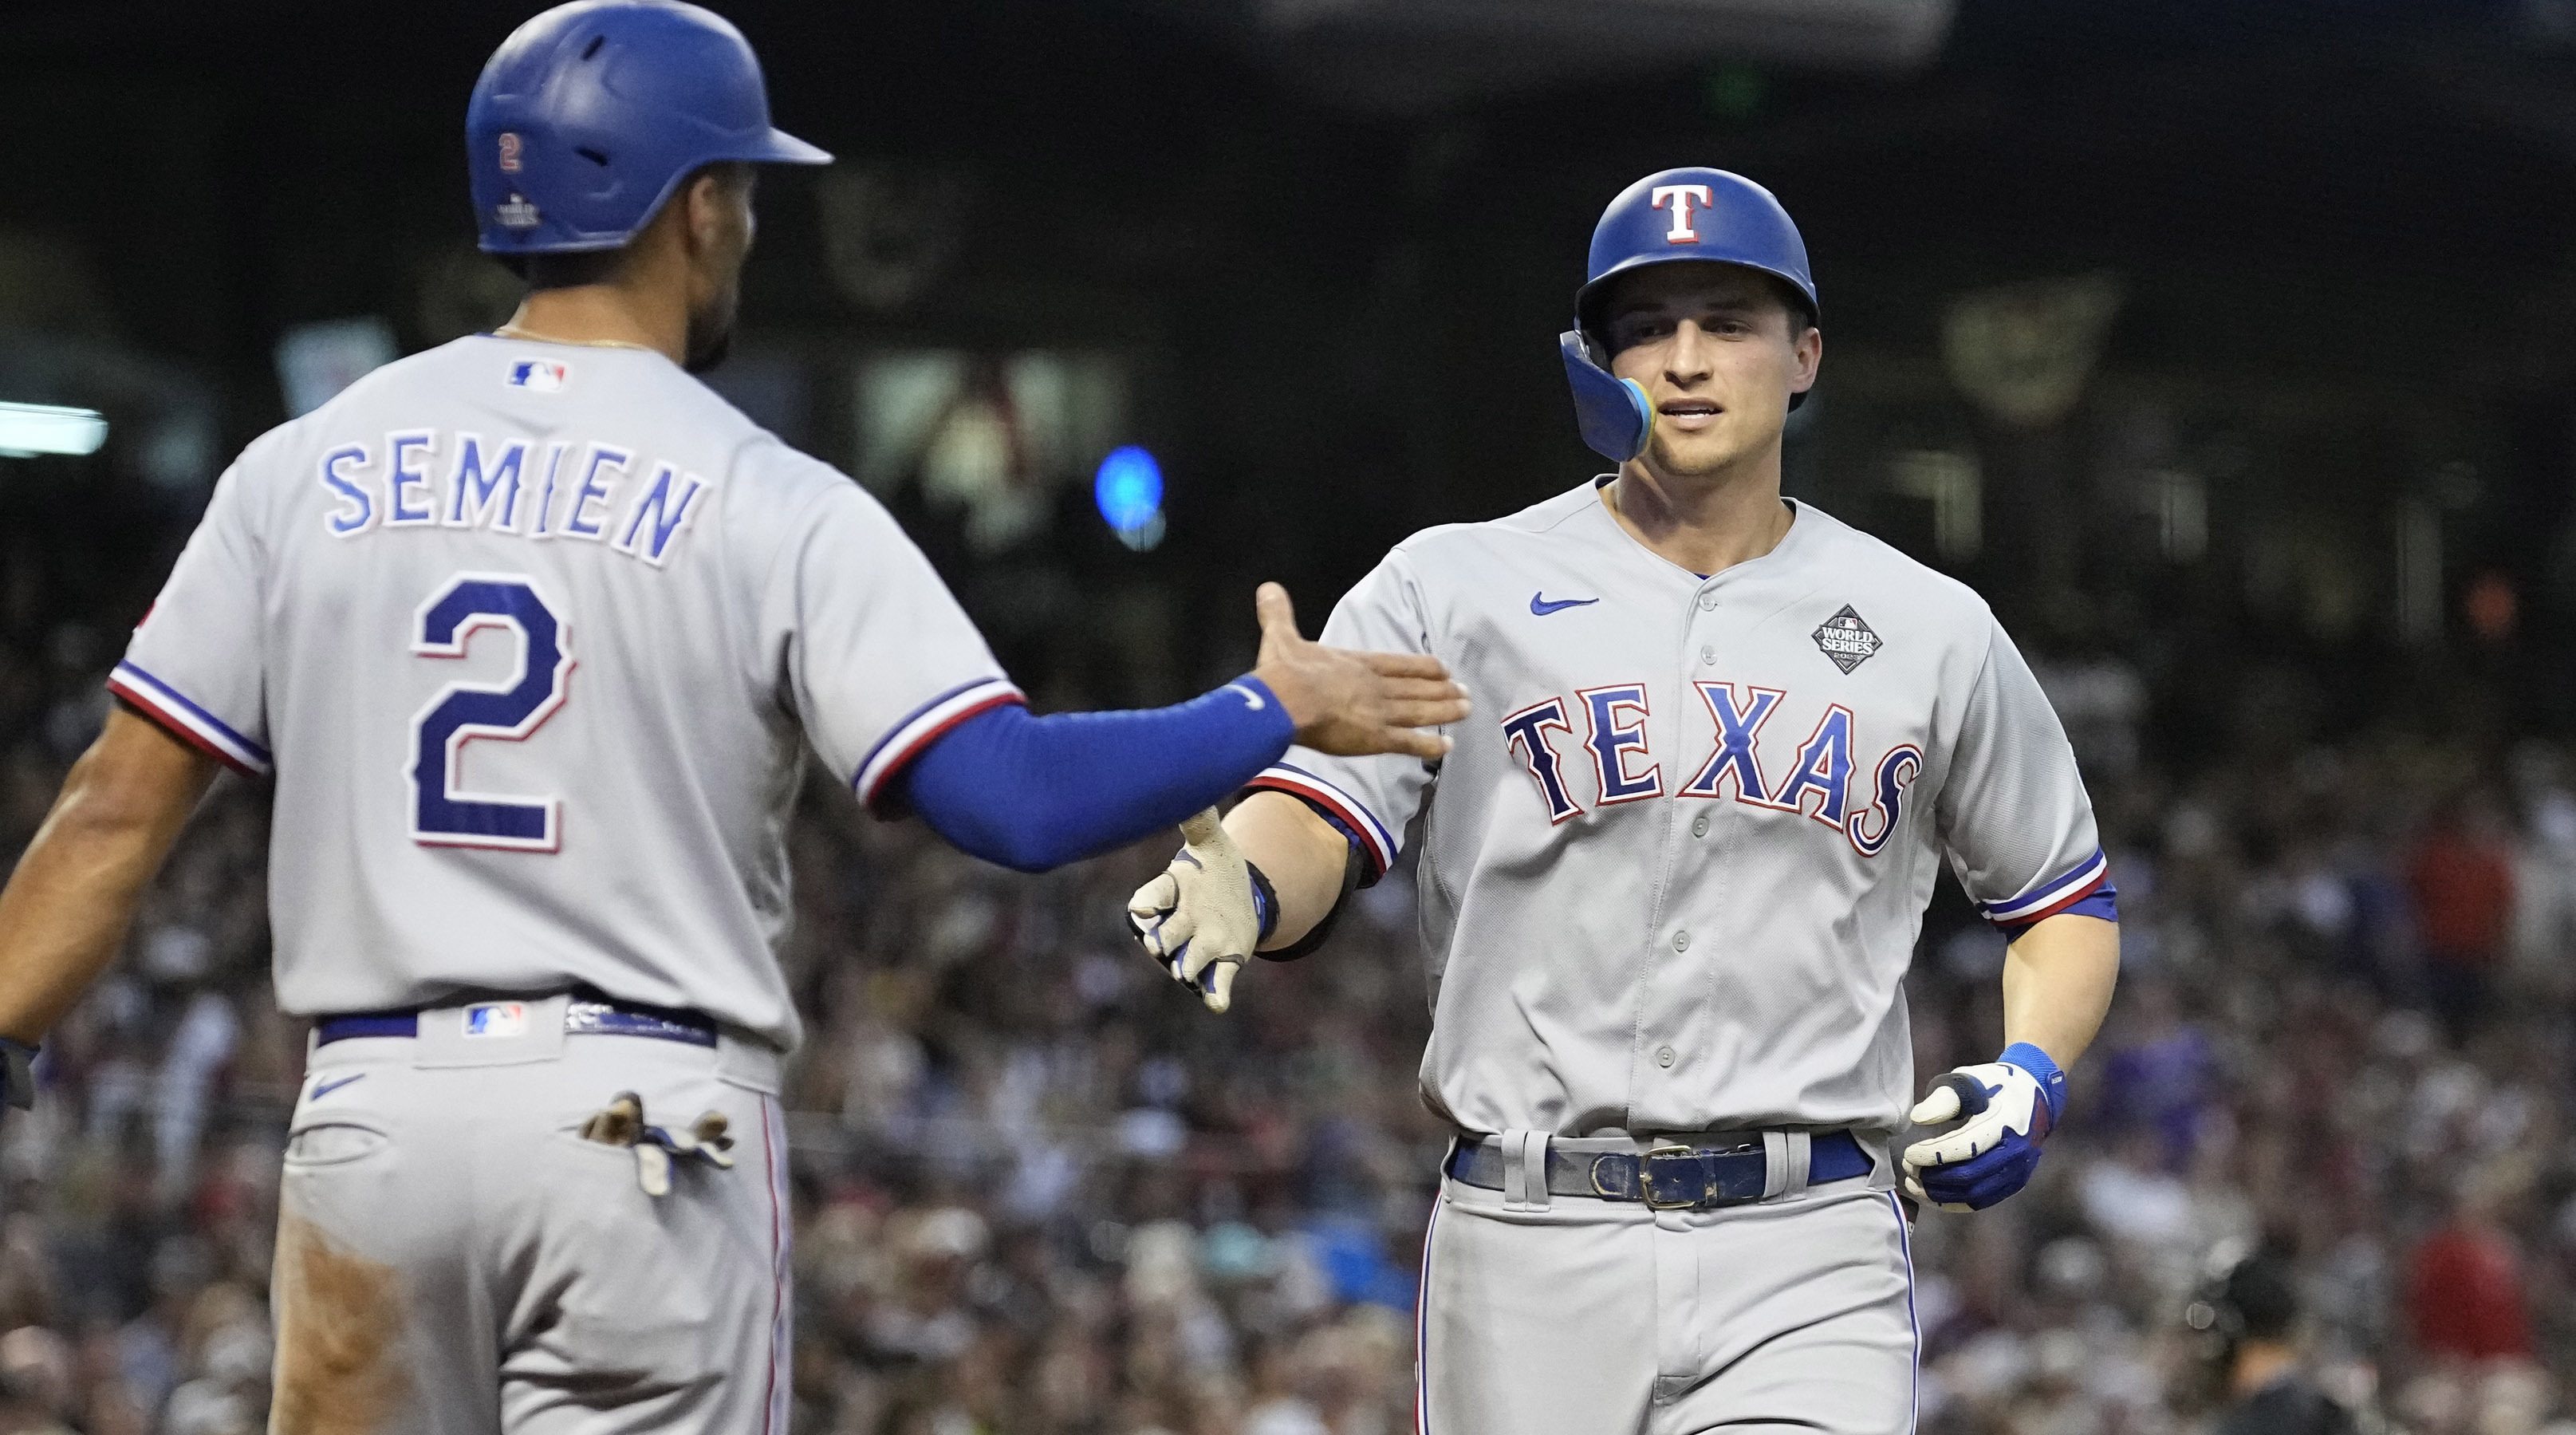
(1661, 939)
(722, 600)
(1603, 1317)
(455, 1258)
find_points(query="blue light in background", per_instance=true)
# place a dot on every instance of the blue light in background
(1129, 488)
(1129, 492)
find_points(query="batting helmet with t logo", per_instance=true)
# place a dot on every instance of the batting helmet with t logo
(1702, 214)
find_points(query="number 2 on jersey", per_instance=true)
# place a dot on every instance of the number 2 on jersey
(460, 713)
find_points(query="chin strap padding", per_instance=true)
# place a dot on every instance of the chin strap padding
(1613, 412)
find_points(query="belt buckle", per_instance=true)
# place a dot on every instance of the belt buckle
(1646, 1179)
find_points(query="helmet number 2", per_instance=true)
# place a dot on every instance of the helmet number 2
(462, 712)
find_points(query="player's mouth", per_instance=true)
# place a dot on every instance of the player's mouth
(1690, 415)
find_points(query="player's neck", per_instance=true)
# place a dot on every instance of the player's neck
(1706, 523)
(603, 314)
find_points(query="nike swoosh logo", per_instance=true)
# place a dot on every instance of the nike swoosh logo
(1251, 699)
(325, 1088)
(1540, 607)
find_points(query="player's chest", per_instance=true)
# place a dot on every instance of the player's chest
(1815, 703)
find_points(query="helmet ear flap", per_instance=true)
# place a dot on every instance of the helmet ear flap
(1613, 413)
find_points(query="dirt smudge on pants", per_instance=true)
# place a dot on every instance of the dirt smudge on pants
(339, 1336)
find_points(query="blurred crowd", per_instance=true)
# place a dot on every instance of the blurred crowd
(1041, 1192)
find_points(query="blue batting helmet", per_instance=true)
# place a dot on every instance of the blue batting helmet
(1703, 214)
(588, 117)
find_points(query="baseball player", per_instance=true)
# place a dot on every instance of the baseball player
(532, 632)
(1670, 890)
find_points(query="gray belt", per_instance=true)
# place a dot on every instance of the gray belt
(1725, 1168)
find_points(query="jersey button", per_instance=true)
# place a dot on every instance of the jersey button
(1699, 825)
(1681, 941)
(1708, 655)
(1707, 602)
(1664, 1058)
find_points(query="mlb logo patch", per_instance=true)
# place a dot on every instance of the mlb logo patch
(497, 1019)
(539, 376)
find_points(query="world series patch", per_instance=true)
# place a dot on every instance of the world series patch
(1846, 639)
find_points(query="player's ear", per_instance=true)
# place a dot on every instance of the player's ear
(1810, 351)
(719, 209)
(707, 220)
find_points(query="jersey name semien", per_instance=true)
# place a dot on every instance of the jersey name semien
(534, 639)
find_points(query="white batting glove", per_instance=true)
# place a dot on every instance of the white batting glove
(1202, 917)
(2010, 1105)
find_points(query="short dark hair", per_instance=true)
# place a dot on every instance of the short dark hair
(1802, 315)
(566, 271)
(600, 266)
(2265, 1292)
(1594, 311)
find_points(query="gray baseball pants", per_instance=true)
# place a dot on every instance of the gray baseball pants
(455, 1258)
(1573, 1315)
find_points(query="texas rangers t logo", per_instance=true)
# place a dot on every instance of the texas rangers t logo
(1682, 197)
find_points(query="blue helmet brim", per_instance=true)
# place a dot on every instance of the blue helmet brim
(780, 147)
(775, 147)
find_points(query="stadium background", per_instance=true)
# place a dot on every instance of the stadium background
(2229, 353)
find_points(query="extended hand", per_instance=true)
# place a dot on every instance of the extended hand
(2010, 1105)
(1351, 704)
(1199, 919)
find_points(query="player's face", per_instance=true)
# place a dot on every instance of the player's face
(725, 232)
(1718, 350)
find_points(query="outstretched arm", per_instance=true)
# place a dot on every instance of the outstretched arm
(67, 906)
(1037, 792)
(1271, 875)
(1215, 905)
(1303, 856)
(1033, 793)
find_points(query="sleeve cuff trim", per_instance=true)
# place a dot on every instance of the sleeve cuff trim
(1297, 782)
(2052, 897)
(189, 722)
(923, 726)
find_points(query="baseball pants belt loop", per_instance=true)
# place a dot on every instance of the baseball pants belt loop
(1525, 1185)
(1786, 1156)
(1698, 1172)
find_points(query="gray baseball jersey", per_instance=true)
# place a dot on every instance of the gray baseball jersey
(534, 638)
(1672, 872)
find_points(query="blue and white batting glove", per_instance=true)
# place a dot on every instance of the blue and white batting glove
(1202, 918)
(2009, 1104)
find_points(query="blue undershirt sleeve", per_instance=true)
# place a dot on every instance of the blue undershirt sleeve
(1031, 793)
